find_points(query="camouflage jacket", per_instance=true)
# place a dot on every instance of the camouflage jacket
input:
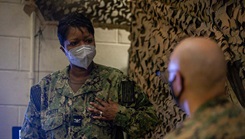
(216, 119)
(63, 114)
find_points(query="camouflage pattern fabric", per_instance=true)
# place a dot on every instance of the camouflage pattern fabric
(64, 114)
(216, 119)
(158, 25)
(103, 13)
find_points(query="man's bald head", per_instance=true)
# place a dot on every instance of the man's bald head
(201, 63)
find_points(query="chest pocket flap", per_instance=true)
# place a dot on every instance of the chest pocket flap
(52, 122)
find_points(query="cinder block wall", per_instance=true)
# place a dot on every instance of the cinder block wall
(112, 50)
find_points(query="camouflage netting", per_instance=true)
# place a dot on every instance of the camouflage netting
(103, 13)
(156, 27)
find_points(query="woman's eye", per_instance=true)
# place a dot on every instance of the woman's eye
(73, 43)
(88, 41)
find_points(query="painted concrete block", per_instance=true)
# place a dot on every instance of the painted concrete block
(9, 52)
(14, 88)
(123, 36)
(52, 57)
(42, 74)
(112, 55)
(24, 54)
(8, 119)
(21, 114)
(106, 35)
(49, 32)
(13, 20)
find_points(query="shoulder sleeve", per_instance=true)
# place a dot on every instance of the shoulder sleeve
(31, 127)
(136, 115)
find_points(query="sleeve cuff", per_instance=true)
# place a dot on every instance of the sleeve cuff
(121, 118)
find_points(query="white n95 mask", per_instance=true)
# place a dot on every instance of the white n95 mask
(81, 56)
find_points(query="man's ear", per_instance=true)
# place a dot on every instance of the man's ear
(179, 82)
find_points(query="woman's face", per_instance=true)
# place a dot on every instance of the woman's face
(77, 37)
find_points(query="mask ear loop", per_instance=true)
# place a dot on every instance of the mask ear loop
(172, 90)
(182, 83)
(182, 87)
(177, 98)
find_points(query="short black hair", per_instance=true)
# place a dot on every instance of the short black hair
(74, 19)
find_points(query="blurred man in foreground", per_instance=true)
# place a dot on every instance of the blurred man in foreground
(197, 73)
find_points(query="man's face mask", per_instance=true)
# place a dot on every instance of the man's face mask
(81, 56)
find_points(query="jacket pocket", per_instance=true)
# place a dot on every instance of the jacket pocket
(102, 127)
(52, 122)
(102, 123)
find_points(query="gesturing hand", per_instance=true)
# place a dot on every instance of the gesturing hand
(105, 110)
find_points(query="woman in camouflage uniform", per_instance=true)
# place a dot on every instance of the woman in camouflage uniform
(86, 100)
